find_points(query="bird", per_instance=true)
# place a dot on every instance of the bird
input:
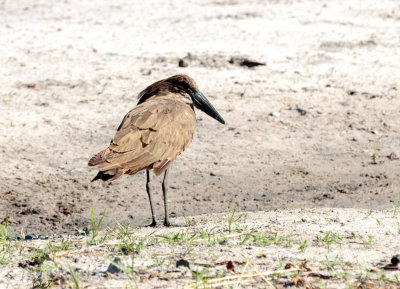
(154, 133)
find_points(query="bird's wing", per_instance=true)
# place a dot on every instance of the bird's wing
(155, 132)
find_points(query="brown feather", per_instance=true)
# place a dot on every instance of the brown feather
(96, 159)
(151, 135)
(107, 166)
(161, 166)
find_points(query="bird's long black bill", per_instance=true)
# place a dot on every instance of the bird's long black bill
(202, 103)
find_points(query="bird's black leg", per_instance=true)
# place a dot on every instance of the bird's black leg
(148, 189)
(165, 189)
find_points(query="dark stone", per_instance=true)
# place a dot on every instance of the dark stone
(395, 260)
(301, 111)
(112, 268)
(28, 237)
(183, 63)
(183, 263)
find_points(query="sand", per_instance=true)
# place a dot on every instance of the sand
(317, 126)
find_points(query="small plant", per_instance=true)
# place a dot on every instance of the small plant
(374, 155)
(40, 256)
(95, 228)
(277, 240)
(132, 246)
(261, 239)
(43, 277)
(330, 238)
(396, 205)
(209, 234)
(201, 277)
(397, 279)
(280, 265)
(4, 230)
(123, 230)
(333, 264)
(74, 278)
(367, 214)
(303, 245)
(231, 219)
(288, 243)
(369, 241)
(245, 239)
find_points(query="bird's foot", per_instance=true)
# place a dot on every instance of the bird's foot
(167, 223)
(154, 224)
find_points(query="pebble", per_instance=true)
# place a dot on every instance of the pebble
(112, 268)
(183, 63)
(28, 237)
(301, 111)
(395, 260)
(392, 156)
(183, 263)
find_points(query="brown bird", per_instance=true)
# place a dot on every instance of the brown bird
(154, 133)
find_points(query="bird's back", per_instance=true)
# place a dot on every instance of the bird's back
(150, 136)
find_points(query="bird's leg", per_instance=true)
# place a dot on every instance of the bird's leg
(165, 190)
(148, 189)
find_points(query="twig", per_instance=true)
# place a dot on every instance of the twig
(241, 275)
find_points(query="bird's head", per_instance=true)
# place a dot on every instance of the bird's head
(185, 87)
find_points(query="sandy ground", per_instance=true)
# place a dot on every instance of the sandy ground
(339, 248)
(317, 126)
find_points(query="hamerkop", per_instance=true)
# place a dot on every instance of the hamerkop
(154, 133)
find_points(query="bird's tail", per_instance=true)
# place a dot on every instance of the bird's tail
(97, 159)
